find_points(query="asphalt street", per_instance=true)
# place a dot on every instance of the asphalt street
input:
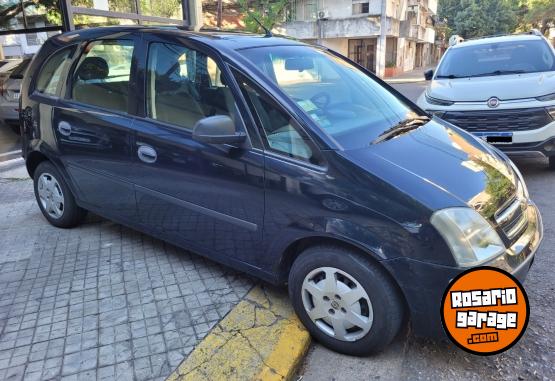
(414, 358)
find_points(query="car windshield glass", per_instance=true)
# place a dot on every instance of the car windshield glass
(500, 58)
(345, 102)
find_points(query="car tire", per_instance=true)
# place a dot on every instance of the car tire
(552, 163)
(54, 197)
(328, 314)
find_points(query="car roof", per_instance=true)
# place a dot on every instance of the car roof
(490, 40)
(220, 39)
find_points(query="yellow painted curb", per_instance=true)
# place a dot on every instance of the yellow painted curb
(260, 339)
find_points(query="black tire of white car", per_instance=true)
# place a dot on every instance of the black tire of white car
(552, 163)
(385, 299)
(71, 214)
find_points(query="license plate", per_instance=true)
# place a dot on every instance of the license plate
(496, 137)
(13, 95)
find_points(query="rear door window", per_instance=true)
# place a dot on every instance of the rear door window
(101, 77)
(49, 78)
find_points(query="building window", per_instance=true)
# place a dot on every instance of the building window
(361, 8)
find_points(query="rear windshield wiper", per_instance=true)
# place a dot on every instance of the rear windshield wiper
(401, 128)
(500, 72)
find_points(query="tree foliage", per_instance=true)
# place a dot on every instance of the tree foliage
(268, 12)
(475, 18)
(540, 14)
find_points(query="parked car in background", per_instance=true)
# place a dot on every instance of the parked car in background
(6, 67)
(501, 89)
(280, 159)
(9, 95)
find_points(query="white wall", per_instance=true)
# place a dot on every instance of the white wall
(340, 45)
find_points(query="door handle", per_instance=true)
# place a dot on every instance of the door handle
(64, 128)
(147, 154)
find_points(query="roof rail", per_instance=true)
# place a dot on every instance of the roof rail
(455, 39)
(536, 32)
(533, 32)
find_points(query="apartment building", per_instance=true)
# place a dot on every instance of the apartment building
(385, 36)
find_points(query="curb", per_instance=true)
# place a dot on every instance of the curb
(260, 339)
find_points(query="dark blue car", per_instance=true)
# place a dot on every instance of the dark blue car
(280, 159)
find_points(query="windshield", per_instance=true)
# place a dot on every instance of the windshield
(345, 102)
(513, 57)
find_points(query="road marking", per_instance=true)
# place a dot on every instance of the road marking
(260, 339)
(10, 153)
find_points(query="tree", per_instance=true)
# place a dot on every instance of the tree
(540, 14)
(476, 18)
(268, 12)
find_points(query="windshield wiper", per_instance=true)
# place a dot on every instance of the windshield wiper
(402, 128)
(450, 76)
(500, 72)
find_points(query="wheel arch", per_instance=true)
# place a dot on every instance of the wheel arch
(34, 158)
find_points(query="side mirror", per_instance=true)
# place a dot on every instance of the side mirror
(218, 129)
(428, 74)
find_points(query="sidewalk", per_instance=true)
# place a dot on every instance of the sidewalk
(416, 75)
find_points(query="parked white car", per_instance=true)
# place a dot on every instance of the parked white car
(501, 89)
(9, 95)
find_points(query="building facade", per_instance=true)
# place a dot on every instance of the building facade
(354, 29)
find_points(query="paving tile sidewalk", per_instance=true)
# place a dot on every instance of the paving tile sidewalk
(99, 301)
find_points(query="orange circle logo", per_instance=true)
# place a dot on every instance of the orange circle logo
(485, 310)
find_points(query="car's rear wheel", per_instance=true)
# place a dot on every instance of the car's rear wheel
(54, 197)
(347, 302)
(552, 163)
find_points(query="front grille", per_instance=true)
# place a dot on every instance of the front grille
(499, 120)
(513, 218)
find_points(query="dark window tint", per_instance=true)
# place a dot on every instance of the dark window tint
(184, 86)
(20, 69)
(513, 57)
(281, 133)
(102, 75)
(50, 74)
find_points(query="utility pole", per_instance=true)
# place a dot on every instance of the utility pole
(382, 40)
(219, 14)
(196, 19)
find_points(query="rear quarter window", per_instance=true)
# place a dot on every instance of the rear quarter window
(50, 75)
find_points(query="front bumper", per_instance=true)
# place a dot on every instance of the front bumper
(9, 112)
(423, 284)
(534, 149)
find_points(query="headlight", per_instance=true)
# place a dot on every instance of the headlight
(521, 189)
(545, 98)
(470, 237)
(439, 102)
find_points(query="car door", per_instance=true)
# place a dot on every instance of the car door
(208, 197)
(93, 126)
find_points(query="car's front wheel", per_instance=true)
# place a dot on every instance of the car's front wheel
(54, 197)
(552, 163)
(347, 302)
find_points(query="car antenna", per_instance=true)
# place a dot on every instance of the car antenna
(267, 32)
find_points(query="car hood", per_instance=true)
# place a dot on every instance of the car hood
(440, 161)
(504, 87)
